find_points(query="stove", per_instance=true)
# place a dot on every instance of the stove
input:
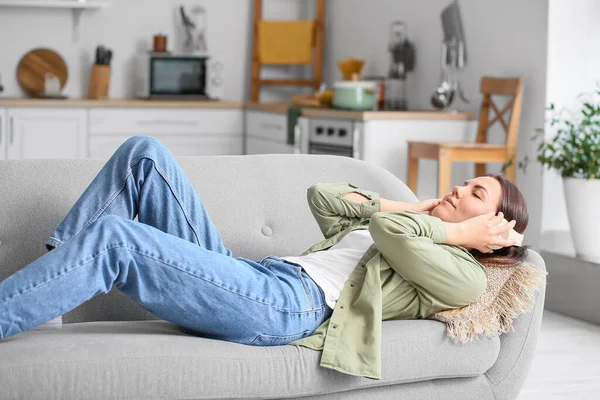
(334, 137)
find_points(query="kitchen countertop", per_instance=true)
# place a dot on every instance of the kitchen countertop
(281, 108)
(274, 107)
(133, 103)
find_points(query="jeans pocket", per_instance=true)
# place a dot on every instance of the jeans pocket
(271, 340)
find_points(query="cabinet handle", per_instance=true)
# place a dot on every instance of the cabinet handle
(12, 129)
(297, 138)
(167, 122)
(356, 143)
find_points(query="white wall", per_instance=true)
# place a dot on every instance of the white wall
(504, 38)
(128, 27)
(573, 68)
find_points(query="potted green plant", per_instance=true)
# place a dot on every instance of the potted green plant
(574, 152)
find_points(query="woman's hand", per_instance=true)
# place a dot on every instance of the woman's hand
(480, 232)
(426, 205)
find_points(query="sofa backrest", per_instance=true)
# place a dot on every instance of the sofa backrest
(257, 202)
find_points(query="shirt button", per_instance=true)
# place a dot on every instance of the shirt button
(352, 285)
(372, 203)
(342, 307)
(335, 326)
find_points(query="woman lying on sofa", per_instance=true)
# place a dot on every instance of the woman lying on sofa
(383, 260)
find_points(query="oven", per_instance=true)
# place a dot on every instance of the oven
(340, 137)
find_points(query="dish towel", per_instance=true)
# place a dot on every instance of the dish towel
(285, 42)
(293, 112)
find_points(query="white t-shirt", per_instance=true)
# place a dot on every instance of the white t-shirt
(331, 268)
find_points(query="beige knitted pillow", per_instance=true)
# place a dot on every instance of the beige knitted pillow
(510, 292)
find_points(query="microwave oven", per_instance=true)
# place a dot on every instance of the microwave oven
(167, 76)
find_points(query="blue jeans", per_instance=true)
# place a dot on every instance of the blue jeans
(172, 262)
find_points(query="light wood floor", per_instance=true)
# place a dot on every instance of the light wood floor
(567, 361)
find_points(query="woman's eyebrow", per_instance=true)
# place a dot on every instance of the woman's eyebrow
(481, 187)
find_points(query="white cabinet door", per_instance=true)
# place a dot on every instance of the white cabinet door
(266, 133)
(47, 133)
(3, 133)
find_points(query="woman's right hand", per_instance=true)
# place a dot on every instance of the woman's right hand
(482, 231)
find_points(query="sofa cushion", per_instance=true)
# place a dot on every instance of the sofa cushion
(155, 359)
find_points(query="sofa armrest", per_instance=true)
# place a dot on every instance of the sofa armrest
(517, 348)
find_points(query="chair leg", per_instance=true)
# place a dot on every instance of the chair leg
(413, 171)
(511, 173)
(479, 169)
(444, 174)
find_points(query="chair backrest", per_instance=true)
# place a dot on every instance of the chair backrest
(503, 87)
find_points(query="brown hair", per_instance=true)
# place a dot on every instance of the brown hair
(513, 206)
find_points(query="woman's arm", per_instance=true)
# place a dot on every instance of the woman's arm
(391, 205)
(412, 244)
(333, 212)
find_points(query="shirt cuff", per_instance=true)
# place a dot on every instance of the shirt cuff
(438, 230)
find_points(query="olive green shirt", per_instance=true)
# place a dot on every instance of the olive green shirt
(408, 273)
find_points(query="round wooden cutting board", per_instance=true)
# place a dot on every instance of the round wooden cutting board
(33, 67)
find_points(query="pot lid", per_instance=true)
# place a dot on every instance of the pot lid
(355, 85)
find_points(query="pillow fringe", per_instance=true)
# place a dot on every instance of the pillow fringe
(516, 297)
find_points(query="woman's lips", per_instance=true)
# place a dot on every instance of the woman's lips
(449, 200)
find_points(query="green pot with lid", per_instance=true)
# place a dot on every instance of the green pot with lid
(355, 95)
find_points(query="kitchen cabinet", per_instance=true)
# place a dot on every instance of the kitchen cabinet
(266, 133)
(186, 132)
(3, 134)
(45, 133)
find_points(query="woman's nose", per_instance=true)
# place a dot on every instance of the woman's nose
(455, 191)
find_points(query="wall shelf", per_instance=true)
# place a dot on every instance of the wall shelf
(71, 4)
(76, 7)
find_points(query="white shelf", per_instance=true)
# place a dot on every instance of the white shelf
(76, 7)
(70, 4)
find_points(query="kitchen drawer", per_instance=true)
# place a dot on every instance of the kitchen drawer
(104, 146)
(155, 120)
(267, 125)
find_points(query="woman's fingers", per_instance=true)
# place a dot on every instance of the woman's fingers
(504, 228)
(496, 219)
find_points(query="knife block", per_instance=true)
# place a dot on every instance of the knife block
(99, 82)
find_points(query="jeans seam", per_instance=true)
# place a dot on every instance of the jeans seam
(176, 195)
(108, 202)
(55, 239)
(306, 289)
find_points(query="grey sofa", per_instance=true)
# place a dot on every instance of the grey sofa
(109, 347)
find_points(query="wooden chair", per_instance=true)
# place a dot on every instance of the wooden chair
(317, 58)
(479, 152)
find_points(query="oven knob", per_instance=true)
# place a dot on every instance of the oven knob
(330, 131)
(342, 132)
(319, 130)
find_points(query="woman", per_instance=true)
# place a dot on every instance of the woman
(174, 264)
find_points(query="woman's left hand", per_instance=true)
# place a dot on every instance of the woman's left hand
(426, 205)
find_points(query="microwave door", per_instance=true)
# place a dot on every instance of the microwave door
(178, 77)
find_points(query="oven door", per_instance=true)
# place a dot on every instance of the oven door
(320, 148)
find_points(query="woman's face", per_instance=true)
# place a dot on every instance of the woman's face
(474, 197)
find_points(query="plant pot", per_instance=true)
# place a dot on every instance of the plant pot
(581, 196)
(355, 95)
